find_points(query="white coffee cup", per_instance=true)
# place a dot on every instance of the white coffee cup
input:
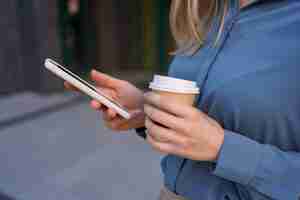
(183, 91)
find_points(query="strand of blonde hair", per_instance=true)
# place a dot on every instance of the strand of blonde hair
(190, 21)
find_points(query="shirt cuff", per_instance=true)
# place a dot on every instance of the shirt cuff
(238, 158)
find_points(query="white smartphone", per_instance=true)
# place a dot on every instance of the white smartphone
(85, 87)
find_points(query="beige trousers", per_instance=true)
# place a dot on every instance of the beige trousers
(165, 194)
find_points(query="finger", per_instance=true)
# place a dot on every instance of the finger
(104, 80)
(162, 134)
(119, 124)
(105, 116)
(137, 116)
(95, 105)
(164, 148)
(114, 124)
(137, 119)
(69, 86)
(164, 118)
(168, 105)
(103, 108)
(107, 91)
(109, 114)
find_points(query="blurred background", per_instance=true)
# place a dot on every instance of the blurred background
(52, 146)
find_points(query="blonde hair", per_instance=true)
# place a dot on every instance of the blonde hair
(190, 21)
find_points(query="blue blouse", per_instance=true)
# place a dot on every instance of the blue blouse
(250, 84)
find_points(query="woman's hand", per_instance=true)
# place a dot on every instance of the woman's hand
(123, 92)
(181, 130)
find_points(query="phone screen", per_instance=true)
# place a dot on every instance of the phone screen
(85, 83)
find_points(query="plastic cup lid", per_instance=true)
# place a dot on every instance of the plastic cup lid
(170, 81)
(174, 89)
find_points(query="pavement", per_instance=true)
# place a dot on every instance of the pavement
(56, 147)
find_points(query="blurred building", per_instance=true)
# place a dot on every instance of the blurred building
(113, 36)
(135, 32)
(27, 37)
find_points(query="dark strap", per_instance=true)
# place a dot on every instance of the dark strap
(141, 132)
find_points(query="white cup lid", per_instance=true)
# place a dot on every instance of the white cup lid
(167, 88)
(166, 80)
(170, 84)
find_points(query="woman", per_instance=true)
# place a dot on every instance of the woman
(242, 141)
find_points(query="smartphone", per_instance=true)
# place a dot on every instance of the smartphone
(85, 87)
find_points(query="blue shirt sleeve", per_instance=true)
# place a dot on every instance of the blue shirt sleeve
(266, 168)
